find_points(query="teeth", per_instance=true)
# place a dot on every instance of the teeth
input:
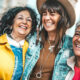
(23, 27)
(78, 46)
(48, 24)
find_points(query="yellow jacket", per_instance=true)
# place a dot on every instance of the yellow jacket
(7, 58)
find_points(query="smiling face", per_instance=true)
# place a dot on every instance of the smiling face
(76, 42)
(22, 24)
(50, 20)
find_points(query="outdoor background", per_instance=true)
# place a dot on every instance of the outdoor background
(6, 4)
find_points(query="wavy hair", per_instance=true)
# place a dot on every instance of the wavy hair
(8, 18)
(63, 24)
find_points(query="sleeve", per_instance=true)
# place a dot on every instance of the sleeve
(60, 67)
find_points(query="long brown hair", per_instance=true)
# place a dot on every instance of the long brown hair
(63, 24)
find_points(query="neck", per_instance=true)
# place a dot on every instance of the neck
(51, 36)
(17, 37)
(78, 61)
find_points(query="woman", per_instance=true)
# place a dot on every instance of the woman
(74, 61)
(16, 24)
(56, 17)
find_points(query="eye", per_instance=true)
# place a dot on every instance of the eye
(29, 19)
(44, 13)
(20, 17)
(52, 14)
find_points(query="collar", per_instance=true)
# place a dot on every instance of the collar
(3, 39)
(71, 62)
(15, 43)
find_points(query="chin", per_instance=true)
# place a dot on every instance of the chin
(21, 33)
(50, 30)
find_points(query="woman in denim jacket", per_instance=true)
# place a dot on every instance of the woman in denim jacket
(74, 61)
(56, 18)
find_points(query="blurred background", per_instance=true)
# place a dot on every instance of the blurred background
(6, 4)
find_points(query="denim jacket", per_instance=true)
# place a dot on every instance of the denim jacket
(71, 64)
(33, 53)
(61, 68)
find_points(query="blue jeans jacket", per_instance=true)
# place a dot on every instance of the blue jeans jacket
(61, 68)
(32, 57)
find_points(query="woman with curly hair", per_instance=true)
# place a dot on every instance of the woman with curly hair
(16, 24)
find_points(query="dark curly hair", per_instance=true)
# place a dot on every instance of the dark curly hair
(8, 18)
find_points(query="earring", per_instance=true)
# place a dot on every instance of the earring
(11, 28)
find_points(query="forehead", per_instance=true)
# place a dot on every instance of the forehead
(78, 29)
(49, 10)
(23, 13)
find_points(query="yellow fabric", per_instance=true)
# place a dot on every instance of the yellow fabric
(7, 58)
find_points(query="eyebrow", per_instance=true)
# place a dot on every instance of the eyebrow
(77, 31)
(22, 16)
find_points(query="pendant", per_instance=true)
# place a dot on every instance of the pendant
(39, 74)
(51, 48)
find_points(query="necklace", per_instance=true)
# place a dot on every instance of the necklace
(39, 73)
(51, 46)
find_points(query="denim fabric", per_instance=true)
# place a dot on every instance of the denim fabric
(32, 57)
(61, 68)
(33, 53)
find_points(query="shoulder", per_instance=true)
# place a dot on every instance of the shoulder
(32, 43)
(32, 40)
(3, 38)
(67, 42)
(67, 37)
(66, 51)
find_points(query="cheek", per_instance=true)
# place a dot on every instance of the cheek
(57, 20)
(30, 24)
(15, 25)
(42, 19)
(74, 38)
(29, 30)
(73, 42)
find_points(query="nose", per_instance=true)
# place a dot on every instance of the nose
(47, 17)
(79, 38)
(24, 21)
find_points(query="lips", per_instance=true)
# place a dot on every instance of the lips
(49, 22)
(77, 44)
(23, 26)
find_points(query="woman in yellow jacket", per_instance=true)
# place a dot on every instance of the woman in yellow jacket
(16, 24)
